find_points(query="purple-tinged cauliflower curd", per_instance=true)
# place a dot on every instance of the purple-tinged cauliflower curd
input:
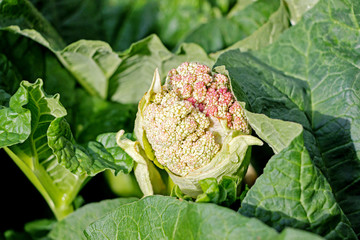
(193, 127)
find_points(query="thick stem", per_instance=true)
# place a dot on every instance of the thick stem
(59, 202)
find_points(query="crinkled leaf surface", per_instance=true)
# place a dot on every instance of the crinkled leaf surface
(138, 65)
(90, 159)
(310, 76)
(223, 193)
(293, 192)
(160, 217)
(72, 226)
(108, 140)
(38, 138)
(16, 121)
(30, 151)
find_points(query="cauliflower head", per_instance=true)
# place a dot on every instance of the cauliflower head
(193, 127)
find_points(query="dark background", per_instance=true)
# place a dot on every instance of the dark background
(22, 203)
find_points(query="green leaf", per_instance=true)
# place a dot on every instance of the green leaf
(92, 63)
(223, 32)
(93, 116)
(295, 234)
(139, 63)
(120, 23)
(187, 52)
(31, 152)
(21, 14)
(78, 19)
(239, 24)
(310, 76)
(137, 69)
(72, 226)
(177, 18)
(45, 149)
(122, 159)
(223, 193)
(27, 59)
(9, 77)
(16, 121)
(89, 160)
(160, 217)
(252, 16)
(277, 133)
(266, 34)
(293, 192)
(297, 8)
(38, 229)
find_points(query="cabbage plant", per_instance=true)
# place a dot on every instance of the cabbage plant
(281, 73)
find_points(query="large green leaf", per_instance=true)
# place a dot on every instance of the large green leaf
(30, 60)
(72, 226)
(89, 115)
(92, 63)
(137, 69)
(160, 217)
(29, 54)
(23, 15)
(310, 76)
(30, 151)
(293, 192)
(80, 19)
(39, 140)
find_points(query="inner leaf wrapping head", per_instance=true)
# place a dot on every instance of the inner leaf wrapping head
(182, 122)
